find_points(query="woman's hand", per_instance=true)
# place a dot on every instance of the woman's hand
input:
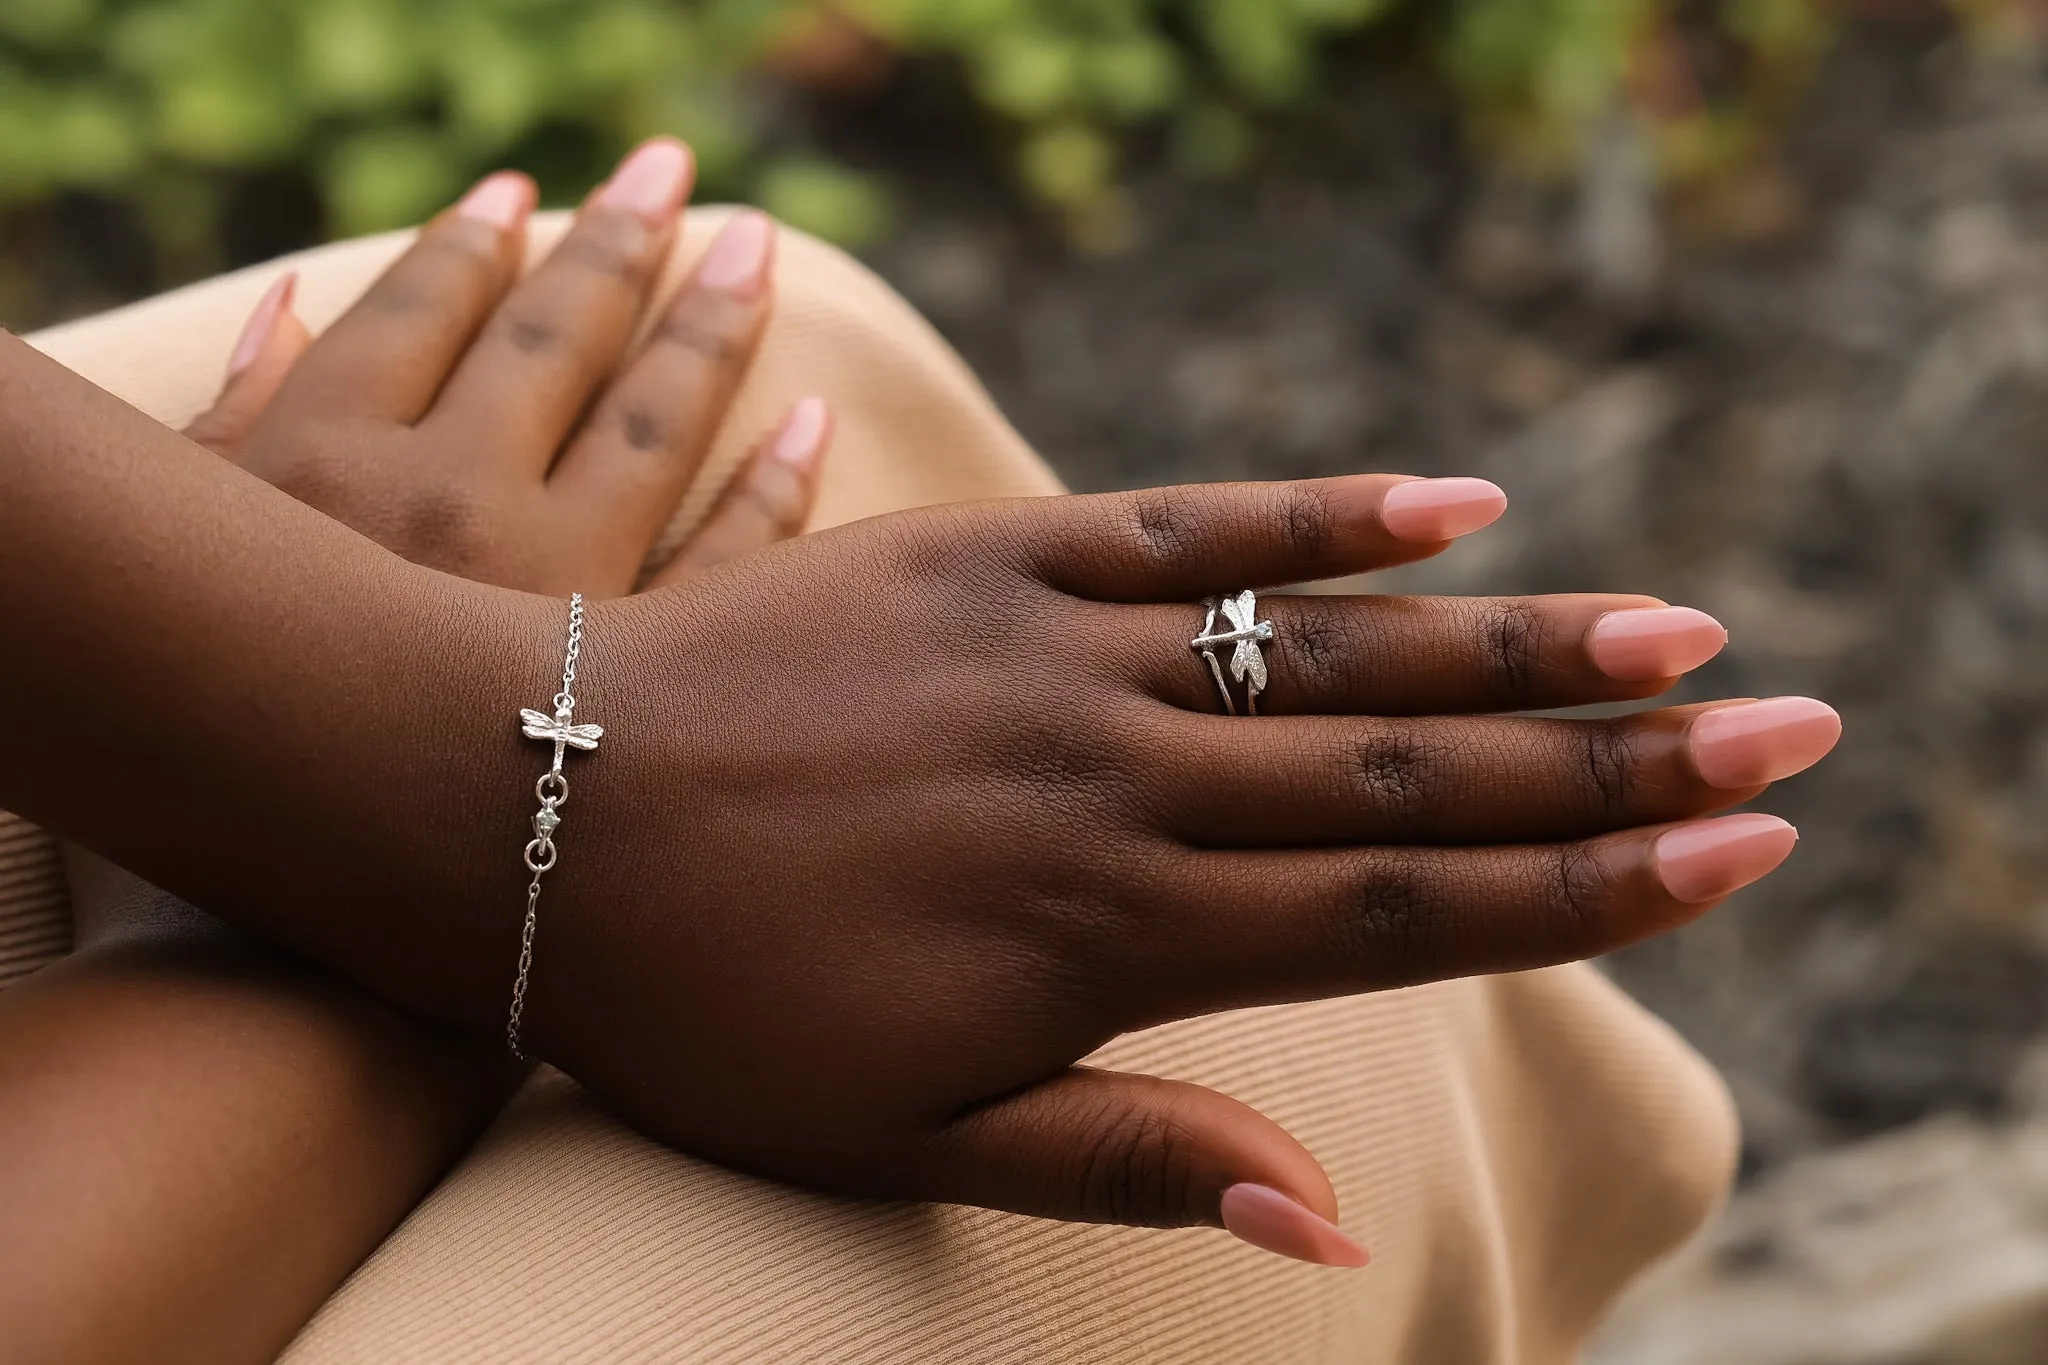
(500, 427)
(893, 824)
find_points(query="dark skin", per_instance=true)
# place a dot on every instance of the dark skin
(201, 1135)
(892, 824)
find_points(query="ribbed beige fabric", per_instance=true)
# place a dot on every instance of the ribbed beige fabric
(1512, 1148)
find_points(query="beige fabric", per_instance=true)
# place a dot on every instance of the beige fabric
(1511, 1148)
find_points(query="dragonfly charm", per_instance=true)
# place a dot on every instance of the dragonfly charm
(1246, 634)
(557, 730)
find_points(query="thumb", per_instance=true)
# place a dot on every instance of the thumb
(271, 342)
(1110, 1147)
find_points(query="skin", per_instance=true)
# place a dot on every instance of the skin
(892, 824)
(200, 1135)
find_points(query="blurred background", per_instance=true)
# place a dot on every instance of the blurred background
(1745, 303)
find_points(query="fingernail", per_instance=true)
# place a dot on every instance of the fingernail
(803, 434)
(1708, 859)
(1644, 643)
(1429, 510)
(651, 180)
(501, 199)
(737, 260)
(1755, 742)
(1272, 1222)
(257, 329)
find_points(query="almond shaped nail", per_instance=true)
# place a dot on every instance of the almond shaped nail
(651, 181)
(802, 437)
(1269, 1220)
(736, 262)
(502, 199)
(1705, 860)
(262, 321)
(1643, 644)
(1425, 511)
(1754, 742)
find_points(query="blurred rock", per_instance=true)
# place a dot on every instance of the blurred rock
(1926, 1247)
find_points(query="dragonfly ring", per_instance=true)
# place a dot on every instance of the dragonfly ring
(1244, 635)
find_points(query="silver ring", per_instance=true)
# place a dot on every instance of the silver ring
(1247, 633)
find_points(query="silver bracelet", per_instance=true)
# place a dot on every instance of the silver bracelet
(553, 791)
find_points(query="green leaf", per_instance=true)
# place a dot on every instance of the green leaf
(1135, 76)
(1068, 164)
(1026, 73)
(227, 116)
(50, 25)
(357, 54)
(388, 177)
(1260, 45)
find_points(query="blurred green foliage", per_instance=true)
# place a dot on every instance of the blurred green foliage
(388, 107)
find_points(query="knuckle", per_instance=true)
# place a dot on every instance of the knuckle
(1307, 521)
(1515, 635)
(1610, 765)
(643, 431)
(1164, 523)
(1582, 887)
(531, 334)
(1399, 918)
(1396, 774)
(1139, 1171)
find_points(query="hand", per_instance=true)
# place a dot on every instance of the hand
(894, 823)
(498, 427)
(473, 420)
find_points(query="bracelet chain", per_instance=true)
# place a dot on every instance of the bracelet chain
(552, 790)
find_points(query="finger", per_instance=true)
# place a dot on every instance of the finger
(1298, 925)
(560, 330)
(1481, 779)
(1197, 540)
(1394, 656)
(767, 501)
(1108, 1147)
(272, 340)
(628, 465)
(387, 356)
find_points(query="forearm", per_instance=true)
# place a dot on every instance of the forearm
(203, 1137)
(233, 695)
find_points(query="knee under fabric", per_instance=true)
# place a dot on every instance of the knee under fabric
(1513, 1149)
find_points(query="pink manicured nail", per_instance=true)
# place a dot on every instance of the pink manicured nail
(802, 437)
(501, 199)
(1644, 643)
(1708, 859)
(651, 181)
(1272, 1222)
(1754, 742)
(737, 260)
(257, 329)
(1429, 510)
